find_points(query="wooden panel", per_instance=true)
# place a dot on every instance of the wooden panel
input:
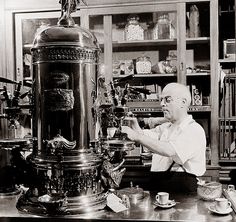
(2, 37)
(31, 5)
(181, 43)
(122, 2)
(122, 9)
(214, 80)
(108, 46)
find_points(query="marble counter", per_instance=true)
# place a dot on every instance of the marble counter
(187, 208)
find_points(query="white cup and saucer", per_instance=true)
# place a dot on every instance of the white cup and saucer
(221, 206)
(163, 201)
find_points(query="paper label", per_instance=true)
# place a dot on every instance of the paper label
(115, 203)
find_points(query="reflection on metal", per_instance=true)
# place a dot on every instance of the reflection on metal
(119, 145)
(11, 167)
(59, 99)
(58, 78)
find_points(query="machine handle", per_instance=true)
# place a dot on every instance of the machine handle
(5, 80)
(140, 90)
(124, 79)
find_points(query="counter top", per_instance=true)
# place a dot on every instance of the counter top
(188, 208)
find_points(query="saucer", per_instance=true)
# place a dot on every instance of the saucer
(213, 209)
(170, 204)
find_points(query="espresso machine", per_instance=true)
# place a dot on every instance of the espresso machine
(68, 175)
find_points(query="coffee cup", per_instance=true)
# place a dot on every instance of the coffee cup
(222, 204)
(162, 198)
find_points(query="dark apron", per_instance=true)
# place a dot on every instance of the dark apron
(171, 181)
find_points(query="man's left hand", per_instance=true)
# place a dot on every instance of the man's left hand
(131, 134)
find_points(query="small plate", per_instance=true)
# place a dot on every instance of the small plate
(213, 209)
(170, 204)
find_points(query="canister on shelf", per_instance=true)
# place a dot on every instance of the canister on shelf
(194, 28)
(163, 28)
(143, 65)
(133, 30)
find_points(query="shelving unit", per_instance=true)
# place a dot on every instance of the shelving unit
(227, 101)
(227, 120)
(111, 18)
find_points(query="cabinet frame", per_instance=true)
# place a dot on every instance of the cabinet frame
(179, 5)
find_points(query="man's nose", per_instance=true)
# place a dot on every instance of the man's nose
(163, 102)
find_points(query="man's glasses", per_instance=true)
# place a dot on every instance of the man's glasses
(167, 99)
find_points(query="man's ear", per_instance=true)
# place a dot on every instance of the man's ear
(184, 102)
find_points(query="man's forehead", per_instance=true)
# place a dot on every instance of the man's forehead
(169, 92)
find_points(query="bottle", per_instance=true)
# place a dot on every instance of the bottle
(133, 30)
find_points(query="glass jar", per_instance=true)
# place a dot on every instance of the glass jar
(133, 30)
(143, 65)
(163, 28)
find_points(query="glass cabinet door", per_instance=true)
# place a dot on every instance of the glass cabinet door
(144, 44)
(27, 26)
(139, 41)
(96, 26)
(198, 54)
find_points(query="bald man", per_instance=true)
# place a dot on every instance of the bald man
(178, 145)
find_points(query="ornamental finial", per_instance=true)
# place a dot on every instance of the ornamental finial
(67, 7)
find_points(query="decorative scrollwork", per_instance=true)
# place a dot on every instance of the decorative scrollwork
(45, 54)
(59, 143)
(112, 171)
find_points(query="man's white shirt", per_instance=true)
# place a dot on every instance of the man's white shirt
(189, 142)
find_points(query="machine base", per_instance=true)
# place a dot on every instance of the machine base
(73, 205)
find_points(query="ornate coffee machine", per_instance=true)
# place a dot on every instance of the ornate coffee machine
(67, 175)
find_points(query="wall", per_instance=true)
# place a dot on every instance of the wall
(2, 37)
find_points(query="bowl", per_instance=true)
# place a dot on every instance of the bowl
(209, 191)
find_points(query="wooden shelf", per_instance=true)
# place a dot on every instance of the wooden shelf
(227, 60)
(155, 107)
(28, 46)
(232, 118)
(198, 74)
(150, 75)
(230, 75)
(199, 40)
(159, 42)
(227, 160)
(204, 108)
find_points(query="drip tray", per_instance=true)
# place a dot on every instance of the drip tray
(80, 205)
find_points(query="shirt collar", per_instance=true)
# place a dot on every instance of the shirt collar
(187, 120)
